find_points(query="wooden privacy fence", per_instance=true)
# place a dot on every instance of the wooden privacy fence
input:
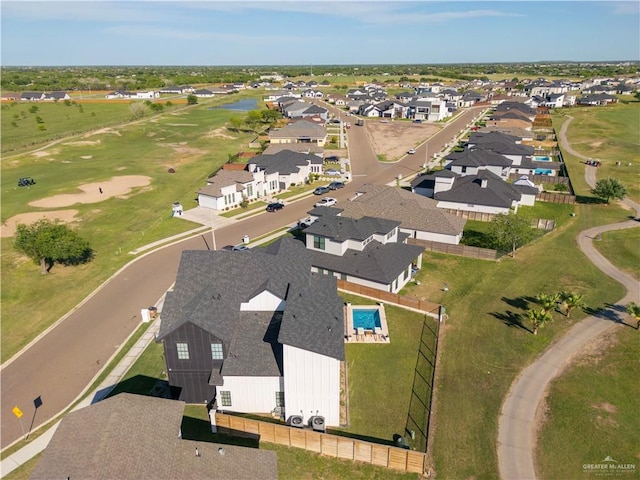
(462, 250)
(403, 301)
(556, 197)
(325, 443)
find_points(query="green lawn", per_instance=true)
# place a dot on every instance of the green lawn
(610, 134)
(21, 130)
(621, 247)
(592, 411)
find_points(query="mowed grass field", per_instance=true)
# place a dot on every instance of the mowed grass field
(611, 134)
(21, 130)
(194, 142)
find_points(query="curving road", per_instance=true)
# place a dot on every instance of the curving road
(61, 364)
(517, 428)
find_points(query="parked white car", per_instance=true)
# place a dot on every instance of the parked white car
(326, 202)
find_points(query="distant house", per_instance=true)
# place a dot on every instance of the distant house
(134, 436)
(32, 96)
(596, 100)
(133, 95)
(255, 332)
(419, 216)
(204, 93)
(299, 132)
(368, 251)
(56, 96)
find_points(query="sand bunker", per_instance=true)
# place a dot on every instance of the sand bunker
(83, 143)
(8, 228)
(95, 192)
(182, 124)
(101, 131)
(45, 153)
(219, 133)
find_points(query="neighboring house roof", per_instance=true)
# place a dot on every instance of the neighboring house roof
(211, 285)
(377, 262)
(520, 133)
(138, 437)
(494, 136)
(275, 148)
(344, 228)
(299, 129)
(478, 158)
(315, 110)
(31, 95)
(285, 162)
(413, 211)
(485, 188)
(224, 178)
(505, 148)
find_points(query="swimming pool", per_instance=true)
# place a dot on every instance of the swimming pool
(366, 323)
(542, 159)
(543, 171)
(367, 319)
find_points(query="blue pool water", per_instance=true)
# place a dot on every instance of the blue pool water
(542, 159)
(367, 319)
(542, 171)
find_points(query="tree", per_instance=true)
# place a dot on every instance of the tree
(138, 110)
(609, 188)
(548, 301)
(571, 301)
(538, 319)
(46, 242)
(633, 309)
(236, 123)
(510, 231)
(192, 99)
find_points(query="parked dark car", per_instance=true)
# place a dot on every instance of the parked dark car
(321, 190)
(26, 182)
(274, 207)
(235, 248)
(336, 185)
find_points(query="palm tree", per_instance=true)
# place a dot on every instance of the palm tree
(633, 309)
(538, 319)
(548, 301)
(571, 300)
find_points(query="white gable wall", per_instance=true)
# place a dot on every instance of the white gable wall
(472, 208)
(311, 385)
(251, 394)
(263, 302)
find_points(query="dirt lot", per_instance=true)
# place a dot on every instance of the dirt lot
(393, 139)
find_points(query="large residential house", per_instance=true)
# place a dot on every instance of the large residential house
(140, 437)
(229, 187)
(369, 251)
(255, 332)
(300, 132)
(419, 216)
(485, 192)
(291, 168)
(470, 162)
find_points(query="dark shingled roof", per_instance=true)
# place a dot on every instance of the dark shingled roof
(285, 162)
(137, 437)
(211, 285)
(478, 158)
(344, 228)
(377, 262)
(469, 190)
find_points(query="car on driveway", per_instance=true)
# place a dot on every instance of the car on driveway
(305, 222)
(236, 248)
(336, 185)
(333, 172)
(321, 190)
(275, 206)
(326, 202)
(411, 151)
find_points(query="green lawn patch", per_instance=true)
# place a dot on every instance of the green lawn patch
(620, 247)
(592, 412)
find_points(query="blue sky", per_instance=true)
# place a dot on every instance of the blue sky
(325, 32)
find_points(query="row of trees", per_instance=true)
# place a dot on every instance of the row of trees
(550, 302)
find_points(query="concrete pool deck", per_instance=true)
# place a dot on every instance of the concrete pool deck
(378, 335)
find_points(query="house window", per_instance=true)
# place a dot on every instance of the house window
(279, 399)
(183, 351)
(250, 190)
(225, 398)
(343, 276)
(464, 169)
(216, 351)
(318, 242)
(406, 273)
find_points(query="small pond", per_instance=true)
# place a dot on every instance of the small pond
(241, 105)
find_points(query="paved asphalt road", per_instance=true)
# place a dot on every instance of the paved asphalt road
(63, 363)
(517, 427)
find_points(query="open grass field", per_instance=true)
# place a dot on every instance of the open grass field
(194, 142)
(21, 130)
(611, 134)
(592, 412)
